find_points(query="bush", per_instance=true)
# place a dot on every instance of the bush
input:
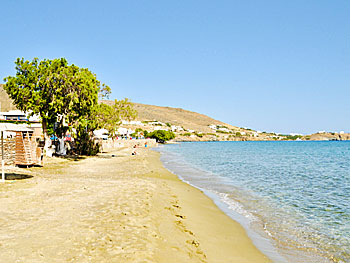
(200, 135)
(187, 134)
(84, 143)
(162, 136)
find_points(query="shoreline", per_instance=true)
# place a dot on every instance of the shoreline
(115, 209)
(254, 223)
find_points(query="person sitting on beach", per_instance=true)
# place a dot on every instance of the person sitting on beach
(134, 153)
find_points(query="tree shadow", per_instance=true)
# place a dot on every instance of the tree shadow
(108, 156)
(72, 157)
(16, 176)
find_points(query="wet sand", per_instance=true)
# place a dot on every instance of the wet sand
(115, 209)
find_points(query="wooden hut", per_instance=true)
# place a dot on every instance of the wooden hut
(27, 150)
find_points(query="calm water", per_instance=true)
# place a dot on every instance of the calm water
(295, 195)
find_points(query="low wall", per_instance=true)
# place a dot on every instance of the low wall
(110, 144)
(9, 151)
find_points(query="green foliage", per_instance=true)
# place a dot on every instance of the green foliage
(238, 134)
(187, 134)
(292, 137)
(109, 117)
(162, 136)
(168, 124)
(58, 92)
(200, 135)
(222, 132)
(145, 133)
(137, 133)
(84, 144)
(15, 121)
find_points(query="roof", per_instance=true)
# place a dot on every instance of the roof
(13, 127)
(13, 113)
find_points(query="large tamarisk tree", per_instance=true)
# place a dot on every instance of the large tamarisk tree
(58, 92)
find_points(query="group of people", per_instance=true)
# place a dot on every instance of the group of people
(135, 146)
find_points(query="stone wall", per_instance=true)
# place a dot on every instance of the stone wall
(9, 151)
(110, 144)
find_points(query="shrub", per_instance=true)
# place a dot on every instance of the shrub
(162, 136)
(200, 135)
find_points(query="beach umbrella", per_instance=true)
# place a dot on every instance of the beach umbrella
(7, 127)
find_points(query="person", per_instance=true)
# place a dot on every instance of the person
(134, 153)
(146, 144)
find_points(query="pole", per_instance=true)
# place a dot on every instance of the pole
(2, 158)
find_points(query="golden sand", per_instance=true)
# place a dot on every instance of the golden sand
(115, 209)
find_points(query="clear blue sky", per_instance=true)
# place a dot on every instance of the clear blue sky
(280, 66)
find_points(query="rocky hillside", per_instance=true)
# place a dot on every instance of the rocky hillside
(328, 136)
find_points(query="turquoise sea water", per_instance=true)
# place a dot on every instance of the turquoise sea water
(292, 197)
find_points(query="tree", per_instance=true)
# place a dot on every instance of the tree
(58, 92)
(161, 135)
(110, 117)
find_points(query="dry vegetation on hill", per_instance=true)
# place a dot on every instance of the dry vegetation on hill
(179, 117)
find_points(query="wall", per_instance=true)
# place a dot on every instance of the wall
(9, 151)
(110, 144)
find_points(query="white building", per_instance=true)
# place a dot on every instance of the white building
(223, 129)
(132, 122)
(295, 134)
(176, 128)
(124, 131)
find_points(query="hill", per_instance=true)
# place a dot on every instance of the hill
(5, 101)
(179, 117)
(191, 126)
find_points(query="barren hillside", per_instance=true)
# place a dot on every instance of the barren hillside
(180, 117)
(177, 116)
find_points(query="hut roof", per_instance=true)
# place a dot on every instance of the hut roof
(13, 127)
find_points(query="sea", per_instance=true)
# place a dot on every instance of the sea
(292, 197)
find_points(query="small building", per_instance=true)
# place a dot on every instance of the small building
(24, 150)
(223, 129)
(14, 115)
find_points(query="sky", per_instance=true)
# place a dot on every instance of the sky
(275, 66)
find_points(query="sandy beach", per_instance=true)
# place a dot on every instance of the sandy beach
(114, 208)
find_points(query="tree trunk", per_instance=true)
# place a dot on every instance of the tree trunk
(62, 147)
(47, 139)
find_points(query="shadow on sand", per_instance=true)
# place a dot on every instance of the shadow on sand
(15, 176)
(72, 157)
